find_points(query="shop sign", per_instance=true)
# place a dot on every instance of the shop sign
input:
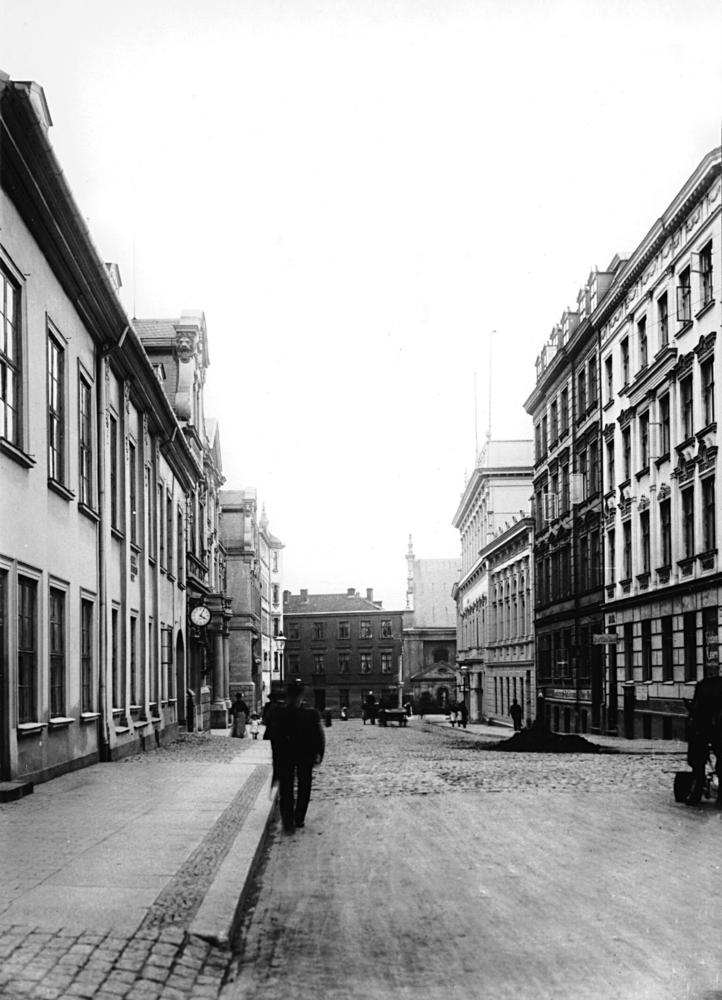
(606, 639)
(641, 693)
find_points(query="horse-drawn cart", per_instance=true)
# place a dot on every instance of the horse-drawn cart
(388, 715)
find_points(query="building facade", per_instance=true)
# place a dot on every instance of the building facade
(343, 646)
(271, 549)
(497, 493)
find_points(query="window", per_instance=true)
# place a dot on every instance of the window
(544, 435)
(85, 444)
(664, 432)
(86, 655)
(583, 470)
(166, 660)
(274, 561)
(665, 525)
(709, 539)
(276, 591)
(366, 632)
(642, 342)
(133, 660)
(27, 650)
(595, 558)
(57, 652)
(667, 649)
(366, 663)
(663, 320)
(386, 663)
(117, 695)
(387, 630)
(582, 392)
(152, 673)
(708, 391)
(169, 532)
(133, 482)
(687, 407)
(294, 630)
(594, 483)
(343, 698)
(564, 405)
(647, 649)
(609, 378)
(688, 521)
(644, 533)
(612, 555)
(629, 650)
(180, 546)
(318, 630)
(537, 442)
(294, 664)
(626, 453)
(113, 472)
(627, 550)
(611, 480)
(344, 630)
(56, 411)
(343, 662)
(644, 439)
(624, 347)
(554, 422)
(690, 645)
(564, 487)
(318, 666)
(684, 297)
(162, 529)
(705, 272)
(9, 359)
(584, 562)
(592, 382)
(276, 626)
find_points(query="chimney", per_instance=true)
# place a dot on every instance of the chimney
(304, 597)
(351, 592)
(370, 594)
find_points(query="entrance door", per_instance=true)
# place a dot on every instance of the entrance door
(180, 680)
(319, 699)
(597, 687)
(629, 712)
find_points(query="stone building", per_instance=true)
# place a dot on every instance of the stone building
(658, 328)
(95, 481)
(497, 492)
(271, 549)
(510, 655)
(342, 646)
(429, 639)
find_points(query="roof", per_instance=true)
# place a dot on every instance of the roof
(329, 604)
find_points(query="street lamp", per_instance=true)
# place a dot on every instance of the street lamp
(280, 643)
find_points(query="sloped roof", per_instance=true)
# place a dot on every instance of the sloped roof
(319, 604)
(438, 672)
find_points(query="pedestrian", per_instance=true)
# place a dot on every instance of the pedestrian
(453, 714)
(255, 725)
(344, 714)
(463, 714)
(517, 713)
(408, 709)
(298, 744)
(269, 716)
(239, 714)
(370, 708)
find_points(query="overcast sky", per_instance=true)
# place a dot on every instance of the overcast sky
(357, 194)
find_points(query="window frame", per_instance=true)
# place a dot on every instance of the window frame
(11, 361)
(57, 464)
(28, 654)
(57, 650)
(85, 441)
(87, 653)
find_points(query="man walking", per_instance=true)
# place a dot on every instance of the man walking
(297, 742)
(516, 712)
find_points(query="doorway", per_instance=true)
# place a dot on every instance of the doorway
(180, 680)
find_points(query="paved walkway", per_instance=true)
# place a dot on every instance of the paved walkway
(122, 879)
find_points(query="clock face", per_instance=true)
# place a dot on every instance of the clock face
(200, 616)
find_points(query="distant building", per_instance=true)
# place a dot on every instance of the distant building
(429, 646)
(343, 646)
(496, 495)
(271, 549)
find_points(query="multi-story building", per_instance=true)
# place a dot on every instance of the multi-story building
(178, 351)
(95, 480)
(510, 654)
(658, 328)
(270, 549)
(429, 640)
(566, 409)
(497, 492)
(343, 646)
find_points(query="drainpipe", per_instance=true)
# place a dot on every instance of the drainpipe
(103, 734)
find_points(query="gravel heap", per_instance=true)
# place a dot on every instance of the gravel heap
(542, 741)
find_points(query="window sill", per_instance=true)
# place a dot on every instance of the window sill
(91, 514)
(686, 325)
(687, 443)
(17, 454)
(135, 547)
(608, 404)
(119, 730)
(117, 533)
(705, 308)
(642, 472)
(30, 728)
(662, 459)
(709, 429)
(61, 490)
(89, 716)
(60, 722)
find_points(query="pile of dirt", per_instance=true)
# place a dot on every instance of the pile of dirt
(543, 741)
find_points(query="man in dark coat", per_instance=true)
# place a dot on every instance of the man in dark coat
(517, 714)
(298, 743)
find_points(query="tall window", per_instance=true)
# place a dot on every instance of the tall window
(684, 297)
(642, 342)
(627, 453)
(584, 562)
(611, 480)
(612, 555)
(592, 383)
(564, 406)
(166, 660)
(169, 532)
(318, 667)
(152, 672)
(162, 529)
(344, 630)
(85, 445)
(690, 645)
(57, 652)
(688, 521)
(595, 558)
(644, 533)
(687, 406)
(624, 347)
(627, 553)
(609, 378)
(318, 630)
(644, 439)
(705, 274)
(134, 687)
(544, 435)
(646, 649)
(133, 483)
(180, 546)
(582, 392)
(343, 661)
(366, 663)
(554, 422)
(663, 319)
(116, 694)
(629, 650)
(594, 467)
(113, 472)
(386, 663)
(708, 391)
(665, 525)
(366, 632)
(86, 655)
(667, 648)
(564, 488)
(27, 650)
(664, 431)
(709, 537)
(9, 359)
(56, 411)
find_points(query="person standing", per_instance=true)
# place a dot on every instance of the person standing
(370, 709)
(298, 744)
(463, 714)
(516, 712)
(239, 714)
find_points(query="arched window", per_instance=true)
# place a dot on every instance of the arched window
(441, 655)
